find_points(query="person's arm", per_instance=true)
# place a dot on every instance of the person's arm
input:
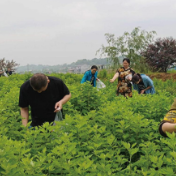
(62, 102)
(96, 76)
(115, 77)
(96, 79)
(142, 91)
(148, 83)
(25, 116)
(84, 79)
(24, 106)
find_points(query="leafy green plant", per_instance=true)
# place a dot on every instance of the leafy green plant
(102, 74)
(102, 134)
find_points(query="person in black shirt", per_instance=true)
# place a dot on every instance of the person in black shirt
(141, 86)
(9, 72)
(45, 95)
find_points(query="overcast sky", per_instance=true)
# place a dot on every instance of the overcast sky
(63, 31)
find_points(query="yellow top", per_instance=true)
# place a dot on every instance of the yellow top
(171, 115)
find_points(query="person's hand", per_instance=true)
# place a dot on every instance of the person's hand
(111, 80)
(142, 91)
(98, 79)
(58, 106)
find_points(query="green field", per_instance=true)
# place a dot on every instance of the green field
(101, 135)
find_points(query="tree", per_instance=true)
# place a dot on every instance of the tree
(128, 45)
(4, 64)
(161, 54)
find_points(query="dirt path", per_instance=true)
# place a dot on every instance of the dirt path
(163, 76)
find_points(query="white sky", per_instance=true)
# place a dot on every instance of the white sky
(63, 31)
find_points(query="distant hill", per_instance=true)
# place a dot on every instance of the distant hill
(62, 68)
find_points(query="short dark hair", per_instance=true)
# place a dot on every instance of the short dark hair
(136, 78)
(94, 66)
(38, 81)
(126, 59)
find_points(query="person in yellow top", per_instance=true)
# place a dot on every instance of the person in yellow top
(168, 124)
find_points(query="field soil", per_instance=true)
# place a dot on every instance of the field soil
(163, 76)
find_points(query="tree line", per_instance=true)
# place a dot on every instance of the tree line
(141, 47)
(144, 50)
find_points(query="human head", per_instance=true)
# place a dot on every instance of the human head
(126, 62)
(8, 69)
(94, 68)
(136, 78)
(39, 82)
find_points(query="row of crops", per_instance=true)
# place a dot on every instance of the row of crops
(101, 135)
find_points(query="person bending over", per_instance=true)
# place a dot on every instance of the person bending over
(45, 95)
(91, 75)
(143, 84)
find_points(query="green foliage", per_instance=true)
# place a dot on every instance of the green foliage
(161, 54)
(102, 73)
(171, 71)
(101, 135)
(128, 45)
(168, 86)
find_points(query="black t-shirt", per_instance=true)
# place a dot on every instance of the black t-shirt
(92, 80)
(42, 104)
(141, 85)
(9, 72)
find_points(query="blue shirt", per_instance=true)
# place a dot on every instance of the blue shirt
(87, 77)
(147, 82)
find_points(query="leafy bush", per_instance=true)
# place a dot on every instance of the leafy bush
(102, 74)
(101, 135)
(161, 54)
(168, 86)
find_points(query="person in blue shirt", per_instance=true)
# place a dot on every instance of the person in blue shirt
(143, 84)
(91, 75)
